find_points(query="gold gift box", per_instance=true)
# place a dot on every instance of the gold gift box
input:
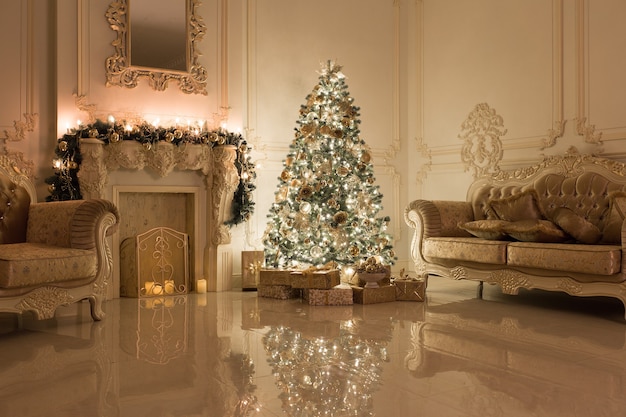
(251, 264)
(280, 292)
(269, 276)
(331, 297)
(410, 289)
(317, 279)
(382, 294)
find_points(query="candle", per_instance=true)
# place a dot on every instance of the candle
(149, 287)
(201, 286)
(169, 286)
(157, 289)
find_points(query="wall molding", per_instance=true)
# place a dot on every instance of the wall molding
(584, 125)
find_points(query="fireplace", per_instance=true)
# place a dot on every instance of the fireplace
(187, 187)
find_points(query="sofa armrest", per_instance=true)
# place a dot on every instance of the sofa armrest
(434, 218)
(76, 223)
(438, 218)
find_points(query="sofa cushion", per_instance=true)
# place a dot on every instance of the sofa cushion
(486, 229)
(584, 259)
(521, 206)
(535, 231)
(612, 230)
(466, 249)
(23, 264)
(576, 226)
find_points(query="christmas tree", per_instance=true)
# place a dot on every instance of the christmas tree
(326, 204)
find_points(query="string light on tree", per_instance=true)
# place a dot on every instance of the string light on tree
(327, 201)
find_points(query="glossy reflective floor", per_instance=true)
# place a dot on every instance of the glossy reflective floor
(233, 354)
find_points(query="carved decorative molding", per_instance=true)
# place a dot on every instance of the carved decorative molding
(569, 165)
(588, 132)
(423, 150)
(482, 148)
(553, 134)
(44, 301)
(510, 281)
(118, 66)
(84, 106)
(20, 127)
(215, 163)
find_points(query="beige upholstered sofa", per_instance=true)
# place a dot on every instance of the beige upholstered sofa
(51, 254)
(556, 226)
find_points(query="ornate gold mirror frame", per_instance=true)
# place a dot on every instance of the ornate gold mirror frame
(119, 69)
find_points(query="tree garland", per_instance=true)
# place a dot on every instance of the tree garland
(64, 185)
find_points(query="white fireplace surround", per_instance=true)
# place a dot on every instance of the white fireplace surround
(108, 169)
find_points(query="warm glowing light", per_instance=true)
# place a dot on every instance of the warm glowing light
(128, 127)
(111, 119)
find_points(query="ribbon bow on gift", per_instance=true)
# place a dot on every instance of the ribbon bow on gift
(406, 276)
(255, 268)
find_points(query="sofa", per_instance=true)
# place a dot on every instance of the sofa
(557, 225)
(51, 254)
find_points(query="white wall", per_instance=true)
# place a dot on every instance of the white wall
(552, 70)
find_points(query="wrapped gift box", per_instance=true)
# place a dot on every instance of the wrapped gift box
(410, 289)
(251, 264)
(331, 297)
(268, 276)
(280, 292)
(323, 279)
(382, 294)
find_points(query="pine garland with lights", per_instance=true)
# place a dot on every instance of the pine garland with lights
(64, 185)
(326, 204)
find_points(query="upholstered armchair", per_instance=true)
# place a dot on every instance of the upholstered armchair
(52, 254)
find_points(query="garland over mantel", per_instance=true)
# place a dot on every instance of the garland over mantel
(64, 185)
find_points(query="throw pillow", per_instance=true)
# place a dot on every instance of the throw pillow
(576, 226)
(536, 231)
(522, 206)
(612, 230)
(486, 229)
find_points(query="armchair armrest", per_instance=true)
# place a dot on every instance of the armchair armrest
(75, 224)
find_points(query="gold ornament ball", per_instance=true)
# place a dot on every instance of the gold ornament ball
(63, 146)
(51, 188)
(72, 165)
(93, 133)
(147, 146)
(169, 137)
(114, 137)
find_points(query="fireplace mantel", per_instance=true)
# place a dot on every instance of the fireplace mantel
(219, 178)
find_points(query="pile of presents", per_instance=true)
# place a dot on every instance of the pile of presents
(322, 286)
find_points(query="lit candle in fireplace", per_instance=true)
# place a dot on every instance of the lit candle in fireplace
(169, 286)
(201, 286)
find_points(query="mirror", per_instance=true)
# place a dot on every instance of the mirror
(156, 43)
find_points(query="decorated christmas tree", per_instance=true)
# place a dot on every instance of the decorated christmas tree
(327, 201)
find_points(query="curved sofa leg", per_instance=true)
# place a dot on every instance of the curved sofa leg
(95, 303)
(479, 290)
